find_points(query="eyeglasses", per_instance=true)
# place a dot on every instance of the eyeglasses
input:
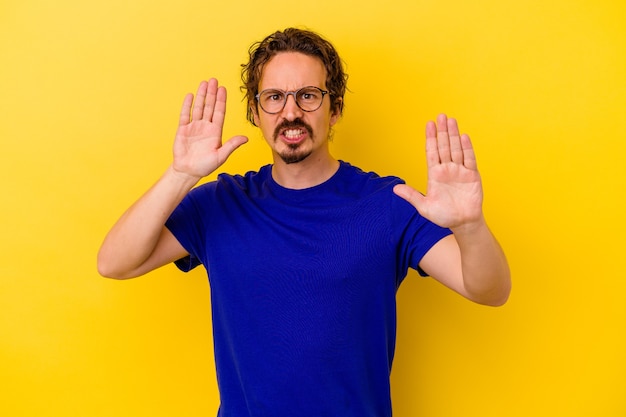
(273, 101)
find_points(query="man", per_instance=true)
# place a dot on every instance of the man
(304, 257)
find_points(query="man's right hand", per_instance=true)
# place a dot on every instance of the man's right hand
(139, 242)
(198, 147)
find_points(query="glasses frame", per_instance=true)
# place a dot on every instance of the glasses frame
(286, 94)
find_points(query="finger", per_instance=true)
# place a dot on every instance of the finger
(456, 151)
(443, 140)
(229, 147)
(219, 109)
(209, 101)
(410, 194)
(432, 152)
(198, 104)
(185, 111)
(469, 157)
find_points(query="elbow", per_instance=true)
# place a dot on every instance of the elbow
(496, 301)
(107, 272)
(495, 294)
(491, 300)
(107, 268)
(497, 297)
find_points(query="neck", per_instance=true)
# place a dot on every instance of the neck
(308, 173)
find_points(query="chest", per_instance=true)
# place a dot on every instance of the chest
(256, 249)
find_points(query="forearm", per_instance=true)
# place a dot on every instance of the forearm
(486, 275)
(134, 237)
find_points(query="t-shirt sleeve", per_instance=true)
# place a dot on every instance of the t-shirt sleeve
(417, 235)
(187, 225)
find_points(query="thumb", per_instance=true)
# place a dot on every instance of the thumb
(410, 194)
(229, 147)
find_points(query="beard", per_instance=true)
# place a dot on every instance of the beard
(293, 154)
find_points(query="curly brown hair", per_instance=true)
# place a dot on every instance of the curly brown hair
(294, 40)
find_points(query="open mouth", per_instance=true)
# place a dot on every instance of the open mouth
(293, 131)
(294, 135)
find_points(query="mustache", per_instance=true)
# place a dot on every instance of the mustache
(293, 124)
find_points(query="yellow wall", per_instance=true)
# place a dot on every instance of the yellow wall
(89, 99)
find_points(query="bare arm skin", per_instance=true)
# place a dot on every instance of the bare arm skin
(139, 242)
(471, 262)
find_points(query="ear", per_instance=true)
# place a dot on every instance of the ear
(255, 114)
(336, 113)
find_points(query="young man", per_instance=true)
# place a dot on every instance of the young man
(304, 257)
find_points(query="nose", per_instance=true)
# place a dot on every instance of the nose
(291, 111)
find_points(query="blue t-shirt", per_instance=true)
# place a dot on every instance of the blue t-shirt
(303, 286)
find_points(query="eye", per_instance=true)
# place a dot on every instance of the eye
(272, 96)
(309, 94)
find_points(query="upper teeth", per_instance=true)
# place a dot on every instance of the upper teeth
(293, 133)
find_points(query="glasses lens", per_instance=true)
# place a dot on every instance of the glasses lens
(272, 101)
(309, 98)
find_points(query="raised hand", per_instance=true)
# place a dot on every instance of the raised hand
(454, 192)
(198, 147)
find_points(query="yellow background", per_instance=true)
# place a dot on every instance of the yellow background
(89, 100)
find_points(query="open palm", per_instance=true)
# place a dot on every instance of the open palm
(198, 148)
(454, 192)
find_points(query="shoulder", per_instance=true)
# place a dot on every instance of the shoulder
(233, 183)
(376, 189)
(366, 182)
(247, 180)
